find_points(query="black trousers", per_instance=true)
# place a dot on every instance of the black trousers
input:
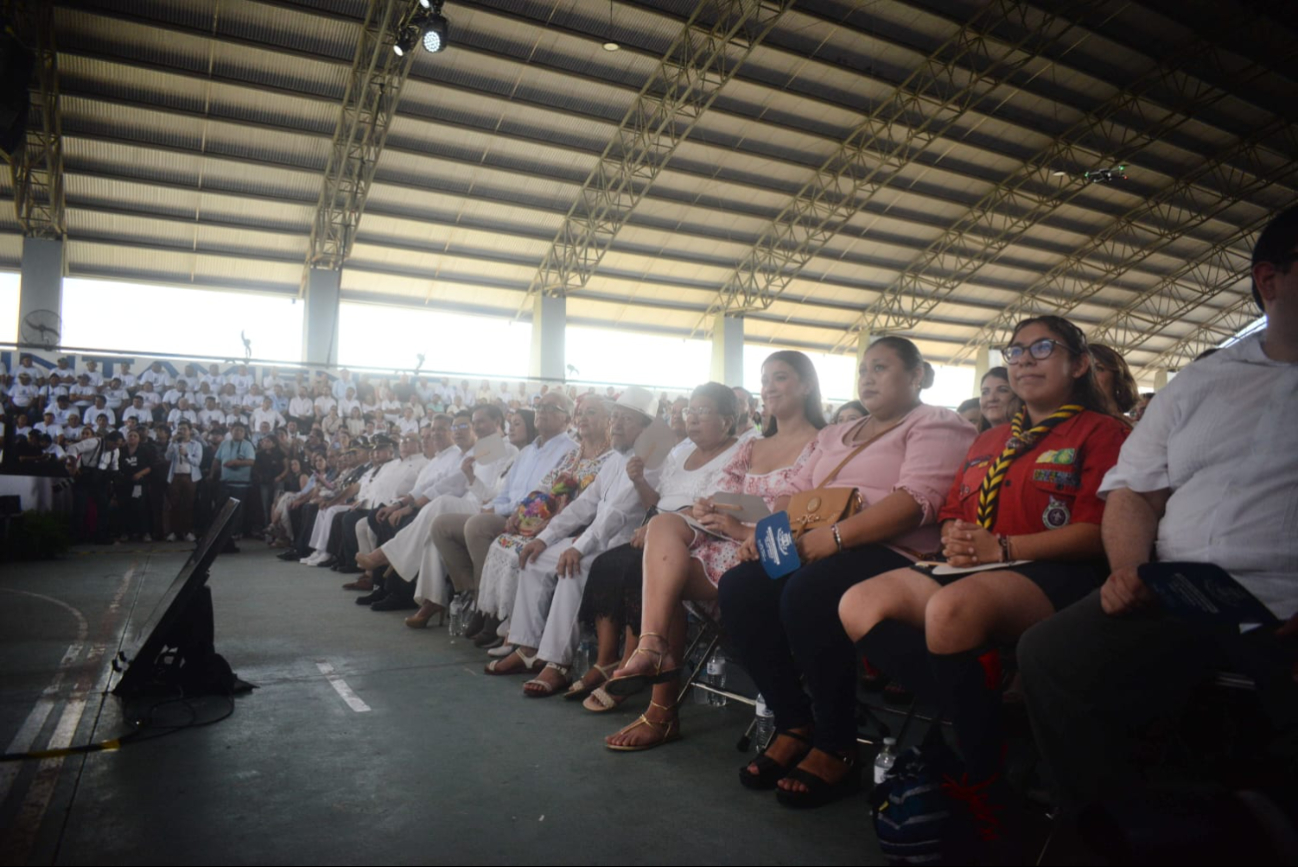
(348, 547)
(385, 532)
(788, 629)
(303, 526)
(1091, 680)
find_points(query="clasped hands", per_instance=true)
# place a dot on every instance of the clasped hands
(965, 544)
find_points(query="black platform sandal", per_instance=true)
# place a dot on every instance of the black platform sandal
(819, 790)
(769, 771)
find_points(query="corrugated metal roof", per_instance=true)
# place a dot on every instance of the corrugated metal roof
(196, 132)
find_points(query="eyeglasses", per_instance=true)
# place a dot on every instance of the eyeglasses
(700, 414)
(1040, 350)
(461, 426)
(590, 413)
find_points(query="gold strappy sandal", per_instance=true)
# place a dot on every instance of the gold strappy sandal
(630, 684)
(669, 730)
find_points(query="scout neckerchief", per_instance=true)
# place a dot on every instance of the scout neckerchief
(1019, 442)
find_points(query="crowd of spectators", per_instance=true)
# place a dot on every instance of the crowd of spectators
(1022, 521)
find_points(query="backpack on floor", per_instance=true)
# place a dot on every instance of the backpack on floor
(914, 818)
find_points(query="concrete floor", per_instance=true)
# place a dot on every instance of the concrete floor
(448, 765)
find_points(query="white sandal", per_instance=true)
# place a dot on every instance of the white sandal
(599, 701)
(580, 689)
(529, 664)
(542, 689)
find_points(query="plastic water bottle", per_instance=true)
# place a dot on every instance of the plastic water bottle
(467, 608)
(457, 615)
(587, 653)
(884, 761)
(717, 678)
(765, 728)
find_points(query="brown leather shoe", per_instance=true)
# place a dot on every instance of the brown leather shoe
(362, 583)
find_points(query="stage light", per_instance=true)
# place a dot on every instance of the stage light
(435, 34)
(407, 41)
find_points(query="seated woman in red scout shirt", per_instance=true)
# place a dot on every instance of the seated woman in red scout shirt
(1026, 497)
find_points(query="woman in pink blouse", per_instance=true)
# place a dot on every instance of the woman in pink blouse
(786, 630)
(682, 562)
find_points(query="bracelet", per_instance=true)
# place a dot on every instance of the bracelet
(838, 540)
(1004, 541)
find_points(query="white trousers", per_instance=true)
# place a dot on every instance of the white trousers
(412, 552)
(323, 521)
(546, 606)
(366, 541)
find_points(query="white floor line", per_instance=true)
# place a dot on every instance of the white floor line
(340, 686)
(40, 712)
(22, 833)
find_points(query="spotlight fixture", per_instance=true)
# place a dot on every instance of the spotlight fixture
(610, 45)
(435, 32)
(407, 40)
(424, 23)
(1106, 176)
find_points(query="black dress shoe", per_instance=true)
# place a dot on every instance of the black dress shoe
(370, 598)
(393, 602)
(288, 556)
(324, 564)
(350, 569)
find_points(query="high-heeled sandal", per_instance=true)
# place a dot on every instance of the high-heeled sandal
(581, 689)
(419, 619)
(670, 730)
(630, 684)
(530, 664)
(819, 790)
(769, 771)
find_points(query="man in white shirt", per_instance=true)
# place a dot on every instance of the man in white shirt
(180, 388)
(324, 402)
(95, 463)
(543, 616)
(301, 409)
(266, 414)
(82, 393)
(129, 380)
(100, 409)
(48, 425)
(22, 394)
(93, 375)
(210, 414)
(347, 403)
(155, 376)
(28, 366)
(241, 380)
(183, 411)
(1209, 475)
(138, 411)
(62, 409)
(116, 395)
(341, 384)
(213, 378)
(150, 396)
